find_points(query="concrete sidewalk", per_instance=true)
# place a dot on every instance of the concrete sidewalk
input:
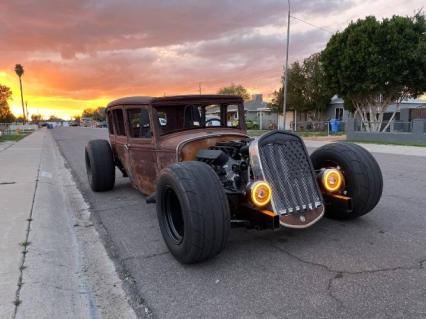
(19, 165)
(52, 263)
(5, 145)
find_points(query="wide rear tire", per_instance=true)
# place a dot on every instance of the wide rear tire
(363, 177)
(193, 211)
(100, 165)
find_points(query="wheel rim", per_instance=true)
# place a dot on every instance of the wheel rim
(173, 216)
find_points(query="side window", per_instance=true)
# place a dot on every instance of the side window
(232, 118)
(109, 121)
(139, 123)
(119, 122)
(162, 118)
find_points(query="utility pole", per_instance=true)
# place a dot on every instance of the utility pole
(286, 68)
(199, 87)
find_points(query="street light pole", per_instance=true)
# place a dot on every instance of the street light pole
(286, 68)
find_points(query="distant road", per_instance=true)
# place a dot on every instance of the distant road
(372, 267)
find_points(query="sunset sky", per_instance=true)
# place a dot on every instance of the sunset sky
(84, 53)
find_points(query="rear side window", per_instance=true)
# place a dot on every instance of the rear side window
(139, 123)
(119, 122)
(109, 121)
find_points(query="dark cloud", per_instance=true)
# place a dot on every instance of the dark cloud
(77, 26)
(253, 60)
(84, 49)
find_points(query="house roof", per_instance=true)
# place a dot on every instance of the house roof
(336, 100)
(255, 103)
(392, 107)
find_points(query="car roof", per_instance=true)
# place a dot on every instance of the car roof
(205, 98)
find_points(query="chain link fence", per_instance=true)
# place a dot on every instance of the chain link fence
(308, 128)
(332, 127)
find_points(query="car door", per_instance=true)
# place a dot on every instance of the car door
(119, 143)
(142, 157)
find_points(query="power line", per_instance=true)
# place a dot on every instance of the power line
(312, 25)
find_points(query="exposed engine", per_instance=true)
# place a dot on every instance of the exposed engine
(230, 160)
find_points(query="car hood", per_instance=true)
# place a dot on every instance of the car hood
(173, 140)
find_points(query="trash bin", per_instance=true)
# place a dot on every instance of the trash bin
(334, 126)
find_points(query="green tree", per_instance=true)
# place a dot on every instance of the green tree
(6, 115)
(374, 63)
(235, 90)
(19, 70)
(87, 112)
(307, 91)
(20, 119)
(54, 118)
(36, 118)
(97, 114)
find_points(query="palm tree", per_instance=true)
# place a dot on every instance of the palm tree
(19, 70)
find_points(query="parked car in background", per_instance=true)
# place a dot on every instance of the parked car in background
(86, 122)
(101, 124)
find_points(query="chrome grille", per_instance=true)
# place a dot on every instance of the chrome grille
(287, 169)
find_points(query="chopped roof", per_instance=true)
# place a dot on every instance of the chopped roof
(175, 99)
(131, 100)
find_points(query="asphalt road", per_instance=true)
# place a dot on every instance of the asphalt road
(372, 267)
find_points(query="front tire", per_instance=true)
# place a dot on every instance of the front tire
(193, 211)
(363, 177)
(100, 165)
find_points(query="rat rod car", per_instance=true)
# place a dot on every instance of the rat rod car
(191, 155)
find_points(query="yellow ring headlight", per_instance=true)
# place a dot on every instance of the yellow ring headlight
(332, 180)
(260, 193)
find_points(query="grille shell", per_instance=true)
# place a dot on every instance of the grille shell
(284, 163)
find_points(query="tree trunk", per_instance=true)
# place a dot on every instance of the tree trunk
(22, 100)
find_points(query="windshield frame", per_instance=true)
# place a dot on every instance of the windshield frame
(156, 109)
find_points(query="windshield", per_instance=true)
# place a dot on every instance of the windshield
(184, 117)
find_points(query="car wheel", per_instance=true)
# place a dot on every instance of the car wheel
(100, 165)
(193, 211)
(362, 175)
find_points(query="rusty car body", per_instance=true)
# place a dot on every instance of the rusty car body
(165, 145)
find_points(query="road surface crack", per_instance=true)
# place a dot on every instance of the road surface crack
(339, 274)
(25, 245)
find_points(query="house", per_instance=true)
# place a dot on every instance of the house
(408, 109)
(257, 111)
(336, 110)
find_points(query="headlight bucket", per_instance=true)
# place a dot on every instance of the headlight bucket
(260, 193)
(332, 180)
